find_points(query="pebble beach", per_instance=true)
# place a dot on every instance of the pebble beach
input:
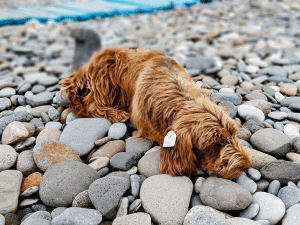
(58, 169)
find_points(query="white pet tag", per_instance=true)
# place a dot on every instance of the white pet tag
(170, 139)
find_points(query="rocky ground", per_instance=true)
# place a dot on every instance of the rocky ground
(59, 169)
(4, 4)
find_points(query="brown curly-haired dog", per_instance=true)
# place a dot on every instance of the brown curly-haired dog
(160, 96)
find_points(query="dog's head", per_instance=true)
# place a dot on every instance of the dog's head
(208, 141)
(219, 151)
(231, 159)
(77, 92)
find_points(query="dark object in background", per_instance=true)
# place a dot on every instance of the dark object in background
(87, 41)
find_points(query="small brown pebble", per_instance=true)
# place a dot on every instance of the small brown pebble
(288, 89)
(64, 114)
(108, 150)
(99, 163)
(293, 157)
(102, 141)
(223, 73)
(205, 86)
(244, 134)
(60, 109)
(83, 200)
(11, 219)
(262, 185)
(205, 91)
(33, 179)
(266, 125)
(213, 33)
(199, 77)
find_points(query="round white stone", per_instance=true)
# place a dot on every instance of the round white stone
(292, 215)
(226, 90)
(276, 88)
(245, 110)
(117, 130)
(252, 69)
(279, 97)
(271, 208)
(291, 131)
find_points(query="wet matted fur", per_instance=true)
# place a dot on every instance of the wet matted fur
(158, 95)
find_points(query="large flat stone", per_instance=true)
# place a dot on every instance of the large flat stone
(81, 134)
(271, 141)
(166, 198)
(223, 194)
(283, 171)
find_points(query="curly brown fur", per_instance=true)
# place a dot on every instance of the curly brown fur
(160, 96)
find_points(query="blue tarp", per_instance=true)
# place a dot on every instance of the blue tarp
(87, 10)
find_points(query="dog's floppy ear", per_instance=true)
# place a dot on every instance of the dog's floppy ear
(180, 159)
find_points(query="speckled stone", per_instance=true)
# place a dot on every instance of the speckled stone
(292, 215)
(283, 171)
(222, 194)
(148, 165)
(135, 145)
(271, 141)
(106, 192)
(78, 216)
(166, 198)
(133, 219)
(59, 184)
(204, 217)
(244, 134)
(255, 95)
(83, 200)
(82, 133)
